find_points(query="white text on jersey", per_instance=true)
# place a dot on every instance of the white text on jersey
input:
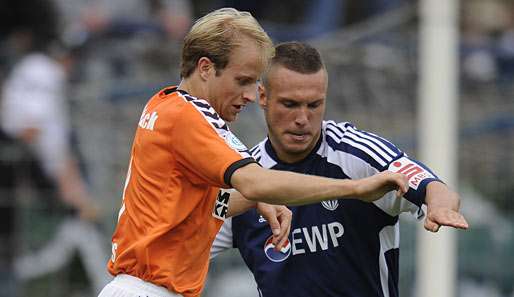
(147, 120)
(314, 237)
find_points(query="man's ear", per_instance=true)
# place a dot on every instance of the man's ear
(263, 100)
(205, 67)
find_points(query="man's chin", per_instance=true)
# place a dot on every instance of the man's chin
(296, 148)
(229, 118)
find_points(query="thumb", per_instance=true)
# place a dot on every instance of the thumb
(431, 225)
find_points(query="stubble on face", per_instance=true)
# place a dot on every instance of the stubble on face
(294, 110)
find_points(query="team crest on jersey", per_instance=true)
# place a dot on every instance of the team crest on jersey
(414, 172)
(221, 205)
(330, 204)
(274, 255)
(234, 142)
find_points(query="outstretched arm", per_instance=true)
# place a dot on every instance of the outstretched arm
(288, 188)
(442, 208)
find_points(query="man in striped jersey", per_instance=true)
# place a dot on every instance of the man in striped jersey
(338, 247)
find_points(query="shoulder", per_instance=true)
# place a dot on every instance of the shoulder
(205, 110)
(344, 138)
(187, 110)
(258, 150)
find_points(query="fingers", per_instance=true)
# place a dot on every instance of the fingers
(270, 214)
(285, 217)
(453, 219)
(445, 217)
(403, 184)
(274, 225)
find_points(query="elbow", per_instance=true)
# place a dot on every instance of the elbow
(251, 192)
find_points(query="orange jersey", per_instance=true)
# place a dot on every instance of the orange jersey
(183, 152)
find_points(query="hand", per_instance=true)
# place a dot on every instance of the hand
(437, 217)
(279, 218)
(89, 211)
(376, 186)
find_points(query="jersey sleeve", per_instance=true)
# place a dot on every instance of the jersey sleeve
(209, 153)
(223, 240)
(376, 154)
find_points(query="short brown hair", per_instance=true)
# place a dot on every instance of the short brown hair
(216, 34)
(296, 56)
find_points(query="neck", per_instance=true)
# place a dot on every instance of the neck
(194, 88)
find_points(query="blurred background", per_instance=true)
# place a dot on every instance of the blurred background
(105, 58)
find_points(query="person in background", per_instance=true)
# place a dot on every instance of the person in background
(34, 111)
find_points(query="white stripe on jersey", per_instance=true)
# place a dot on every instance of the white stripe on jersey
(256, 152)
(359, 146)
(207, 111)
(223, 240)
(389, 238)
(376, 143)
(259, 151)
(374, 140)
(371, 144)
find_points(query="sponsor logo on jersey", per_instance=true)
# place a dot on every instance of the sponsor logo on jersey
(316, 238)
(330, 204)
(221, 205)
(274, 255)
(234, 142)
(415, 173)
(147, 120)
(307, 240)
(262, 219)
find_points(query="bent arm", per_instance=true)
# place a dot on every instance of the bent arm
(289, 188)
(238, 204)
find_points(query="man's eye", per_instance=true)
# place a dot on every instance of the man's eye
(314, 105)
(244, 81)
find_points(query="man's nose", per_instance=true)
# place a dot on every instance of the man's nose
(250, 93)
(302, 116)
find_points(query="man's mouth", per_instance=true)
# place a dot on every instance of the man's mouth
(298, 136)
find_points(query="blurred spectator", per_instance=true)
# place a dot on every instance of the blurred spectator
(304, 19)
(487, 41)
(33, 111)
(123, 18)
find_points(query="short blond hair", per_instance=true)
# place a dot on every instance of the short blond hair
(216, 34)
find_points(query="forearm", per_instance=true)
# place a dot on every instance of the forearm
(71, 186)
(438, 195)
(281, 187)
(237, 204)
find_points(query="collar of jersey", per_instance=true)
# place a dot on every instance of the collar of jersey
(175, 89)
(271, 152)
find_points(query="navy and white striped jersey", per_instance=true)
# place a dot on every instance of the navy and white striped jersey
(340, 247)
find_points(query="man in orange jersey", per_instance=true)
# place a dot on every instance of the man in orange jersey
(184, 152)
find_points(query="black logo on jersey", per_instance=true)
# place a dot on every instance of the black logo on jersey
(221, 206)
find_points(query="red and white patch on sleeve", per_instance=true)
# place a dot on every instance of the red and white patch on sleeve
(415, 173)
